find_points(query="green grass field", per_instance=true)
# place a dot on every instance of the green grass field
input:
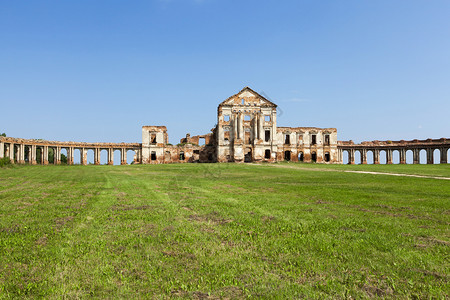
(224, 231)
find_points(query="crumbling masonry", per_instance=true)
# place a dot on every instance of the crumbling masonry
(246, 131)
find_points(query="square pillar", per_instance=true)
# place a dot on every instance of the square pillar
(45, 155)
(2, 149)
(444, 155)
(83, 153)
(96, 156)
(363, 156)
(70, 155)
(21, 157)
(11, 152)
(376, 157)
(110, 156)
(57, 155)
(351, 157)
(123, 156)
(389, 156)
(402, 156)
(429, 156)
(416, 154)
(33, 155)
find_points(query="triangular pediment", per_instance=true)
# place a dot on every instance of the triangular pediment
(248, 97)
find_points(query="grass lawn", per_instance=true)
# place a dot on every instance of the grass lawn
(224, 231)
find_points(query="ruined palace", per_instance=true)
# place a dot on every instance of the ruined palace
(246, 131)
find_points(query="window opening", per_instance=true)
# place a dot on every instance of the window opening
(267, 137)
(153, 138)
(287, 139)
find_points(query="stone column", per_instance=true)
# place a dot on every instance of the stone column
(21, 158)
(57, 155)
(97, 156)
(12, 150)
(83, 153)
(430, 156)
(17, 150)
(241, 126)
(2, 149)
(364, 156)
(110, 156)
(444, 155)
(402, 156)
(376, 156)
(45, 155)
(255, 128)
(351, 157)
(70, 151)
(234, 125)
(33, 155)
(389, 156)
(261, 134)
(123, 156)
(416, 156)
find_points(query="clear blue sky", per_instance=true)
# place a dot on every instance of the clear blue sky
(99, 70)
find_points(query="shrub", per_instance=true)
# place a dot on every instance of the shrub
(5, 161)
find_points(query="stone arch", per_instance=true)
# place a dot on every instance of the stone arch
(90, 156)
(358, 157)
(422, 156)
(130, 156)
(77, 156)
(370, 157)
(345, 156)
(409, 156)
(327, 156)
(182, 156)
(395, 156)
(436, 156)
(103, 156)
(383, 157)
(300, 156)
(64, 155)
(117, 157)
(248, 154)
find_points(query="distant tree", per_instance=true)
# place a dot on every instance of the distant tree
(63, 159)
(3, 134)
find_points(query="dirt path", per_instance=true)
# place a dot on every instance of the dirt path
(353, 171)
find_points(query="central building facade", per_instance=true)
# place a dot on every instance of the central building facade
(246, 131)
